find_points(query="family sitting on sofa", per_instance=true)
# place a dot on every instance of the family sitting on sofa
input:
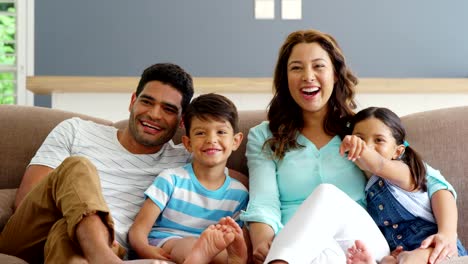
(323, 180)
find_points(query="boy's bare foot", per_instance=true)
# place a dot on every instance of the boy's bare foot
(237, 250)
(148, 261)
(212, 241)
(359, 254)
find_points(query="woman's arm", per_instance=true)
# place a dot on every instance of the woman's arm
(446, 214)
(261, 236)
(264, 204)
(263, 211)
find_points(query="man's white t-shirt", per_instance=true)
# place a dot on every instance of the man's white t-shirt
(124, 176)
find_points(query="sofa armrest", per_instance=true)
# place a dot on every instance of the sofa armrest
(7, 200)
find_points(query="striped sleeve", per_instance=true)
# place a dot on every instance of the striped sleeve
(160, 191)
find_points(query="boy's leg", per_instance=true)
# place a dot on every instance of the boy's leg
(71, 191)
(237, 251)
(179, 248)
(211, 246)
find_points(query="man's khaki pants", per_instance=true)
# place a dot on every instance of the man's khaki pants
(43, 227)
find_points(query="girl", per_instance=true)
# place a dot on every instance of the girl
(399, 192)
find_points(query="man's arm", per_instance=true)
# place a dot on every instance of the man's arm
(31, 178)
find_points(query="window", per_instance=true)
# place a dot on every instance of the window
(16, 50)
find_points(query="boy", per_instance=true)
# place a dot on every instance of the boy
(198, 198)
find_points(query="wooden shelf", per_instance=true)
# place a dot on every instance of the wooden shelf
(111, 84)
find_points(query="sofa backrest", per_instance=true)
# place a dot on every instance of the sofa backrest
(24, 128)
(441, 137)
(22, 131)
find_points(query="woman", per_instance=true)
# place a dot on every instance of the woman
(291, 156)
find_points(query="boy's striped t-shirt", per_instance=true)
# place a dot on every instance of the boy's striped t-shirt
(187, 207)
(124, 176)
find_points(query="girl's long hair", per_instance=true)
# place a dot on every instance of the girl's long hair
(392, 121)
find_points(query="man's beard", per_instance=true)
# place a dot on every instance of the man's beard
(160, 139)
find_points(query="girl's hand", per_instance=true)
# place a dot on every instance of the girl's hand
(260, 252)
(444, 246)
(353, 145)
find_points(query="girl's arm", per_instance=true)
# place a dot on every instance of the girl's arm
(446, 215)
(372, 162)
(138, 234)
(261, 236)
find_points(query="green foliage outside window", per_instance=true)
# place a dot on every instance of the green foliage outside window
(7, 53)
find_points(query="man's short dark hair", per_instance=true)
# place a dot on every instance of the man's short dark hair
(171, 74)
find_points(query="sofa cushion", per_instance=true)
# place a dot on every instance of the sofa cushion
(441, 137)
(7, 259)
(7, 199)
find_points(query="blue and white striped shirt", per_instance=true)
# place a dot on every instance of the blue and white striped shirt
(187, 207)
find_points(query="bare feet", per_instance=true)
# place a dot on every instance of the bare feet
(148, 261)
(359, 254)
(237, 250)
(212, 241)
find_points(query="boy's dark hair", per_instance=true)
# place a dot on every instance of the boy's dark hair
(172, 75)
(392, 121)
(211, 106)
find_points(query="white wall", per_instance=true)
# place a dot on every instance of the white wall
(114, 106)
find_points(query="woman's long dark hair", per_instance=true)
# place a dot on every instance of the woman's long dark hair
(393, 122)
(285, 115)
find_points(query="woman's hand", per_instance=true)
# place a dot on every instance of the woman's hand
(260, 252)
(261, 236)
(445, 246)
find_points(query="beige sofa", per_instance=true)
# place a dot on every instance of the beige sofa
(441, 136)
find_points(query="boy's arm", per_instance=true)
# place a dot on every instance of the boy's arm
(33, 175)
(446, 215)
(138, 234)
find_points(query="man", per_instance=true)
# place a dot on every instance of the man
(84, 172)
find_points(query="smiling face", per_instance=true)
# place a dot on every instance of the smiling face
(311, 77)
(379, 137)
(211, 142)
(154, 117)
